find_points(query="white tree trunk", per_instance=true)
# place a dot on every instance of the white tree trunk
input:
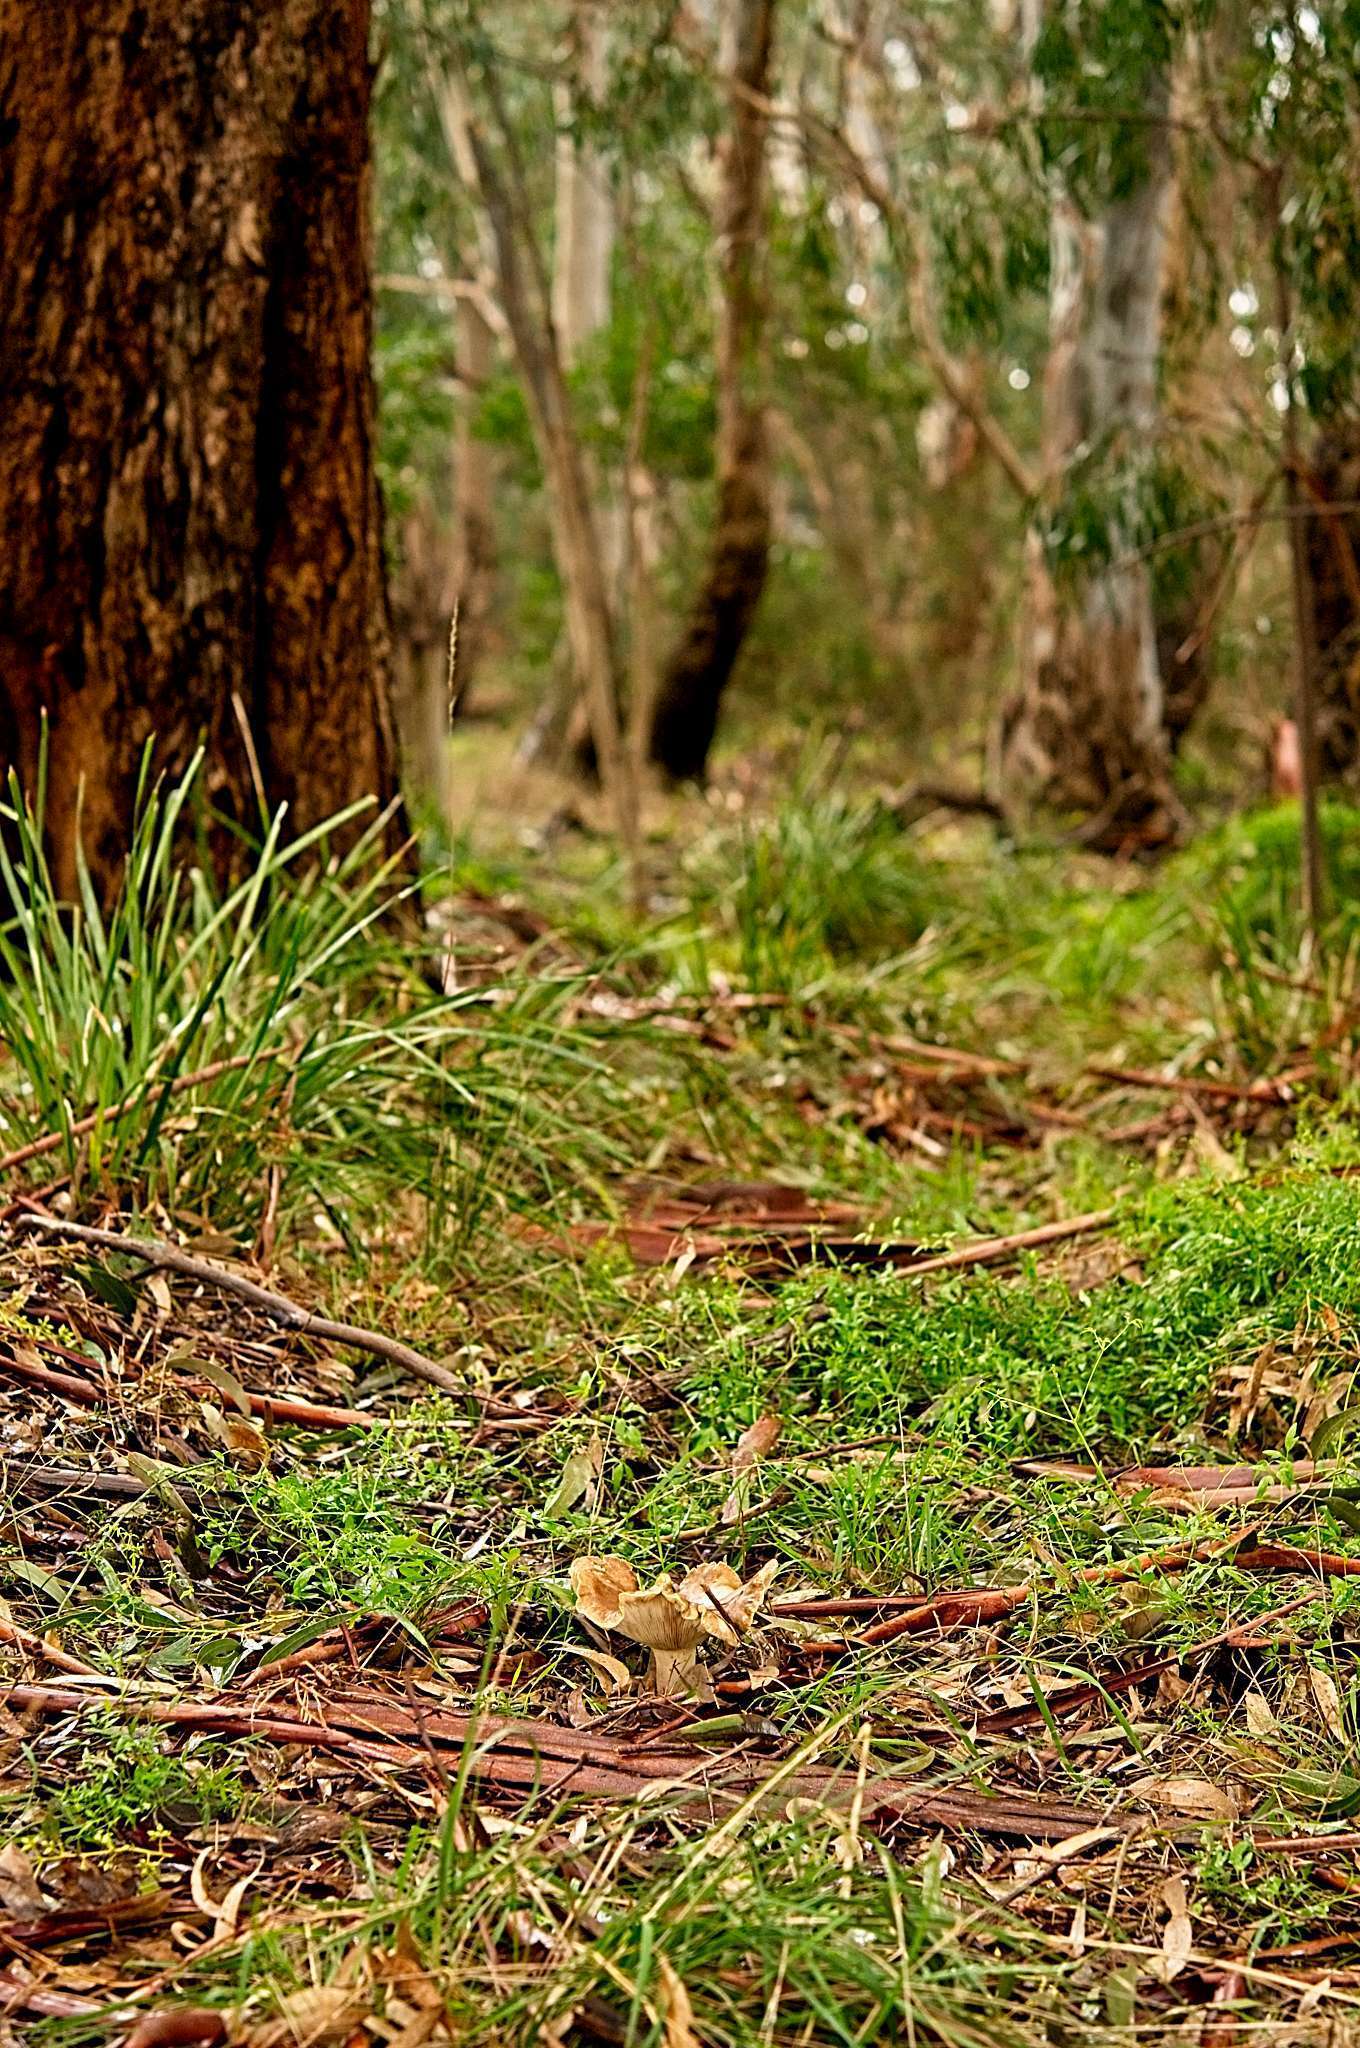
(583, 203)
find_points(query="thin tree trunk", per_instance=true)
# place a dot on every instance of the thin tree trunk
(1091, 732)
(474, 479)
(525, 302)
(189, 523)
(582, 263)
(583, 244)
(686, 717)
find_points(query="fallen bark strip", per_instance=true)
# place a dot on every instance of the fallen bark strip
(83, 1125)
(536, 1757)
(74, 1479)
(156, 1252)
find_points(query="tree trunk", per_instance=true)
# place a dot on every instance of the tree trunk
(582, 262)
(583, 204)
(1090, 733)
(525, 299)
(189, 526)
(686, 716)
(1332, 545)
(474, 551)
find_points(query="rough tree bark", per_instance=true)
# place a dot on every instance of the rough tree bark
(1090, 731)
(686, 715)
(189, 526)
(1332, 541)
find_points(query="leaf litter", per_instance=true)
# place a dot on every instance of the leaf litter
(1046, 1764)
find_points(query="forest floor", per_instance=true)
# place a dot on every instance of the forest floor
(929, 1264)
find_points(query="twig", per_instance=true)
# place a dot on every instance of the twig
(988, 1251)
(1264, 1090)
(157, 1253)
(41, 1650)
(199, 1078)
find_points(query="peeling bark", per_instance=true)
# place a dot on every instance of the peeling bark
(189, 523)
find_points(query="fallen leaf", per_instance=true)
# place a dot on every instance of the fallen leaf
(677, 2012)
(20, 1892)
(1260, 1719)
(1328, 1701)
(614, 1673)
(316, 2014)
(752, 1445)
(1178, 1936)
(756, 1442)
(581, 1475)
(1196, 1797)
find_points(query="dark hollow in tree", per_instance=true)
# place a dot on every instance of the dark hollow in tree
(685, 717)
(190, 541)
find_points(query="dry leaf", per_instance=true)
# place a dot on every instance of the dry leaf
(753, 1444)
(1178, 1936)
(1328, 1701)
(580, 1481)
(677, 2012)
(1193, 1796)
(20, 1892)
(317, 2014)
(614, 1673)
(1260, 1719)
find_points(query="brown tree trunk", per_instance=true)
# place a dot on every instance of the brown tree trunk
(474, 553)
(1332, 544)
(686, 715)
(190, 542)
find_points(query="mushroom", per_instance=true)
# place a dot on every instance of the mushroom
(669, 1620)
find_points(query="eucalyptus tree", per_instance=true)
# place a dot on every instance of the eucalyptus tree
(190, 545)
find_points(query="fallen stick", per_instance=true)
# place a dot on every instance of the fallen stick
(18, 1996)
(65, 1383)
(168, 1256)
(42, 1651)
(974, 1606)
(270, 1407)
(1264, 1090)
(84, 1124)
(987, 1251)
